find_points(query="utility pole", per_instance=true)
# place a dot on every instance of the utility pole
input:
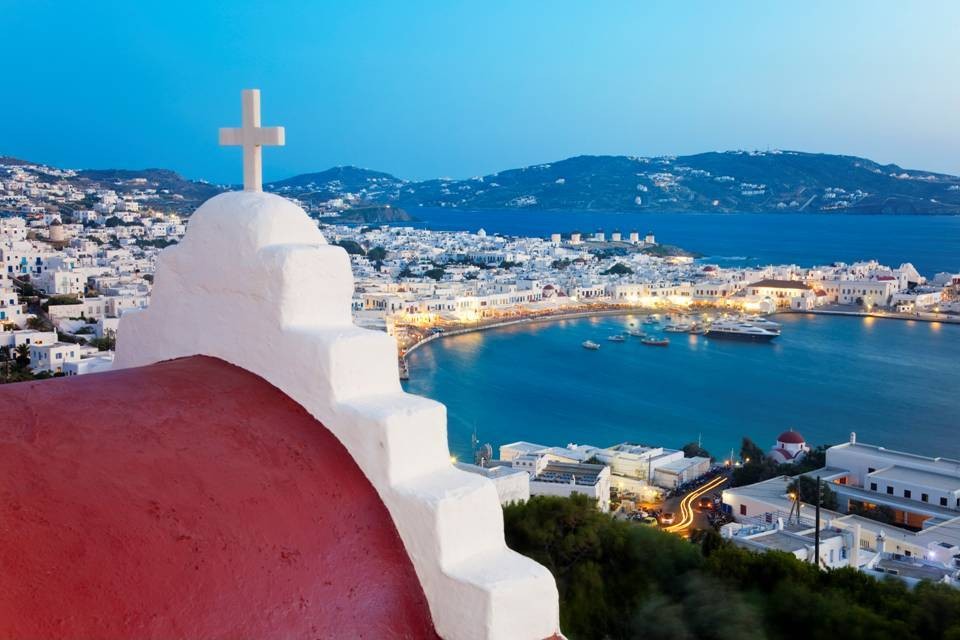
(816, 533)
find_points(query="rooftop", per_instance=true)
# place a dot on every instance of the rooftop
(946, 465)
(921, 477)
(190, 497)
(780, 284)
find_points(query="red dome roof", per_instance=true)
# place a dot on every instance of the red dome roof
(190, 499)
(790, 437)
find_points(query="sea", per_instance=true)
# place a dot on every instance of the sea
(895, 383)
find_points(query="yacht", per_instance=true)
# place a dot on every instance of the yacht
(617, 338)
(765, 323)
(656, 342)
(651, 320)
(680, 327)
(591, 345)
(741, 330)
(636, 333)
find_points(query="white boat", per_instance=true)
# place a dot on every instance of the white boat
(680, 327)
(741, 330)
(590, 344)
(766, 323)
(636, 333)
(617, 338)
(656, 342)
(651, 320)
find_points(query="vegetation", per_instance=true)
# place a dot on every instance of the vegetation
(39, 324)
(15, 364)
(377, 254)
(107, 343)
(159, 243)
(694, 450)
(806, 488)
(618, 269)
(619, 580)
(55, 301)
(436, 273)
(561, 264)
(350, 246)
(669, 251)
(757, 466)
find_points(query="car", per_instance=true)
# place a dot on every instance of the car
(648, 521)
(666, 519)
(706, 503)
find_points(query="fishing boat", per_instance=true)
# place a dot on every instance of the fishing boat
(617, 338)
(656, 342)
(590, 344)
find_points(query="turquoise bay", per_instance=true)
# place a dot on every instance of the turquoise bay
(896, 383)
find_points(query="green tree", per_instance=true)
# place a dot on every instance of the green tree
(693, 450)
(22, 356)
(618, 269)
(806, 488)
(377, 254)
(436, 273)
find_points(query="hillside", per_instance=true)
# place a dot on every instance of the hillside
(122, 180)
(373, 187)
(724, 182)
(733, 181)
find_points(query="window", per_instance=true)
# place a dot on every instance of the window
(743, 509)
(943, 502)
(890, 490)
(873, 486)
(870, 469)
(925, 497)
(907, 493)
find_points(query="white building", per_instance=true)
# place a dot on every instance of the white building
(513, 485)
(53, 357)
(921, 491)
(673, 474)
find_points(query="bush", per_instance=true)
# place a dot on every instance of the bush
(620, 580)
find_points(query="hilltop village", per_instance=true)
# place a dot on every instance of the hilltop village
(75, 258)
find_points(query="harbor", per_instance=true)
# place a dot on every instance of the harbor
(876, 377)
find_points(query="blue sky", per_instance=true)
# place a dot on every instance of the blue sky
(426, 89)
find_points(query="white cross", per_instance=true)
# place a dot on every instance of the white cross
(251, 136)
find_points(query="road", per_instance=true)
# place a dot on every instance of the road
(687, 513)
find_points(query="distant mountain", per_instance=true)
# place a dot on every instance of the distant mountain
(122, 180)
(732, 181)
(725, 182)
(736, 181)
(371, 186)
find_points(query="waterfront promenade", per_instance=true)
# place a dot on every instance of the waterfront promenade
(887, 315)
(424, 335)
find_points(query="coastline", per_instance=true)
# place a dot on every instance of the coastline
(549, 317)
(597, 313)
(892, 315)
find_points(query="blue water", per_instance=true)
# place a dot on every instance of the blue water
(895, 383)
(931, 243)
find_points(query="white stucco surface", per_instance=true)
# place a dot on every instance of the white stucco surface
(254, 283)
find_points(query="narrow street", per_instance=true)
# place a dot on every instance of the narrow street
(688, 517)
